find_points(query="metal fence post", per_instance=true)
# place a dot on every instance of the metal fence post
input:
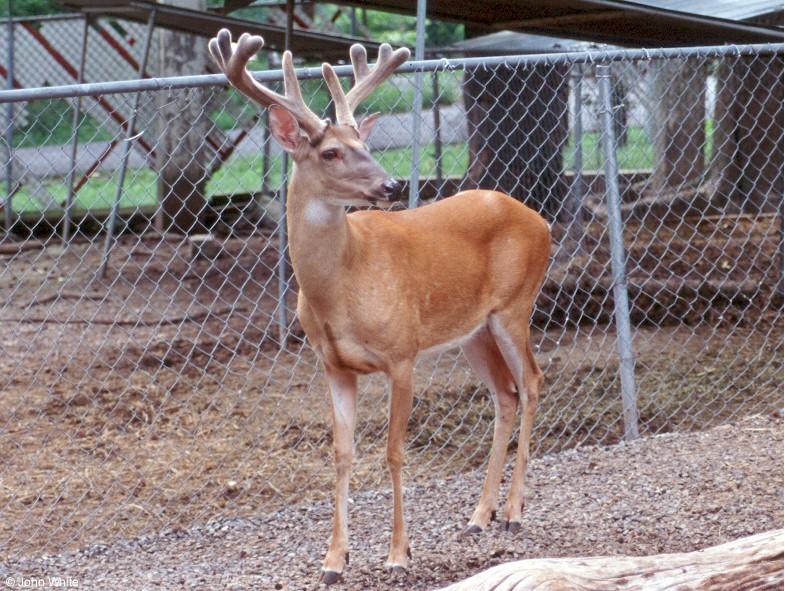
(283, 239)
(616, 238)
(75, 139)
(573, 204)
(437, 128)
(419, 51)
(266, 139)
(129, 138)
(9, 130)
(578, 187)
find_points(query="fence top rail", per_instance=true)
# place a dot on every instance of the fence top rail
(444, 64)
(42, 18)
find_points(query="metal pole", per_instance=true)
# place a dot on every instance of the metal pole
(616, 237)
(283, 240)
(129, 138)
(578, 186)
(9, 129)
(266, 145)
(437, 128)
(419, 53)
(75, 139)
(315, 73)
(574, 202)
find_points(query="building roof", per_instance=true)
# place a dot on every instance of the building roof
(616, 22)
(302, 43)
(729, 9)
(513, 43)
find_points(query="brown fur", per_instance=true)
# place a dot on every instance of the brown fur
(378, 288)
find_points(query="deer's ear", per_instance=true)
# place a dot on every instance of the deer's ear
(366, 125)
(284, 128)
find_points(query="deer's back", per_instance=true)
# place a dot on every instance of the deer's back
(455, 260)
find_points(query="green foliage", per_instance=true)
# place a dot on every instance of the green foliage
(398, 29)
(50, 123)
(31, 7)
(440, 34)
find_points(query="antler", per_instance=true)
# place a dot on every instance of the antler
(232, 59)
(365, 80)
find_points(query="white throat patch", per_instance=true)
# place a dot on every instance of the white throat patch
(320, 213)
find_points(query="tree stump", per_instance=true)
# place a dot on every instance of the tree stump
(750, 563)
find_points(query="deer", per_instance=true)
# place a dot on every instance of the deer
(378, 288)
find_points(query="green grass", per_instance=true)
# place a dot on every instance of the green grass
(636, 153)
(240, 175)
(244, 174)
(98, 193)
(50, 123)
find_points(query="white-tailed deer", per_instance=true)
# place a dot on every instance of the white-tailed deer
(377, 288)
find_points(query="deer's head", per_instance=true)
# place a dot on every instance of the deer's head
(333, 157)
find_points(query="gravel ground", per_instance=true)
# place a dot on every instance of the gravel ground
(668, 493)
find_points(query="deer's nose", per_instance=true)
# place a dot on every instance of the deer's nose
(391, 188)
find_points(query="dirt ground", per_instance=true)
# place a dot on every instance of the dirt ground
(667, 493)
(158, 397)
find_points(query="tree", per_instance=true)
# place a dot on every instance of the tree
(747, 157)
(518, 124)
(181, 151)
(680, 123)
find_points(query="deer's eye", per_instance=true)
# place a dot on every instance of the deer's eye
(331, 154)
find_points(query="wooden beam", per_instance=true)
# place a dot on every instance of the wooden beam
(581, 18)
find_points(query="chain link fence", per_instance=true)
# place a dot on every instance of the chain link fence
(153, 373)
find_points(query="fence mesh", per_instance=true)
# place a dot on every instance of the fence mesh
(177, 386)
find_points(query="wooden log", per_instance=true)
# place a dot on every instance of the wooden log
(17, 247)
(754, 562)
(585, 299)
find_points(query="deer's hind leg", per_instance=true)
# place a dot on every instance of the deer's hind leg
(511, 332)
(487, 361)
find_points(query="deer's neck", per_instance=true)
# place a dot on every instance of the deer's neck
(319, 241)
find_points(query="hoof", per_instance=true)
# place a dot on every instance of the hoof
(513, 527)
(408, 554)
(493, 515)
(330, 576)
(397, 571)
(471, 530)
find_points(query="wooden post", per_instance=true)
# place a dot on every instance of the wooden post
(754, 562)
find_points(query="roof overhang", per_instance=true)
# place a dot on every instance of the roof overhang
(206, 24)
(615, 22)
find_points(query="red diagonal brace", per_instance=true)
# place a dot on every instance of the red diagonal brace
(4, 74)
(58, 57)
(122, 51)
(94, 165)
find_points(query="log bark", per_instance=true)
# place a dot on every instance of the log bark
(751, 563)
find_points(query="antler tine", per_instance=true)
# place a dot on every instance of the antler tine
(366, 79)
(232, 59)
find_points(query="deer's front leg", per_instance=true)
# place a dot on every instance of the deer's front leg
(343, 399)
(400, 408)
